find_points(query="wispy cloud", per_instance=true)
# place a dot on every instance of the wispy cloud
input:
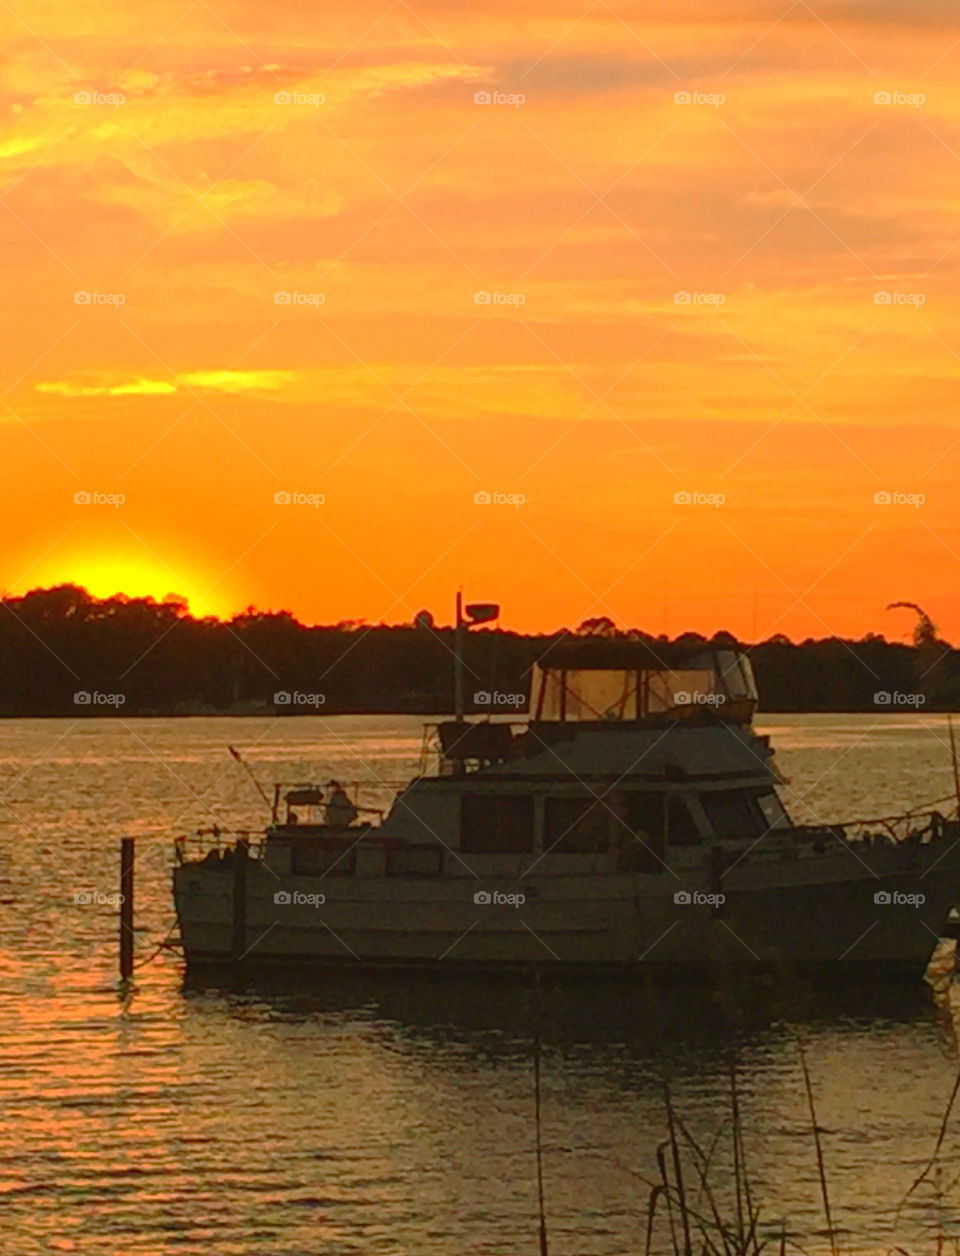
(219, 381)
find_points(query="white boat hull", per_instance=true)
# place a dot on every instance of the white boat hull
(824, 910)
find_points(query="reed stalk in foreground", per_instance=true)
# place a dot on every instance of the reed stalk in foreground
(700, 1223)
(696, 1218)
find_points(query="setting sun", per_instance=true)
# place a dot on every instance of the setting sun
(684, 291)
(132, 576)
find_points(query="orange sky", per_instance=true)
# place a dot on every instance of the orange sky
(198, 159)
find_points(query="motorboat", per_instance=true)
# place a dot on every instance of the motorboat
(633, 819)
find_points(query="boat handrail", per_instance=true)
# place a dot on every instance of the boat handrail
(898, 830)
(190, 847)
(313, 797)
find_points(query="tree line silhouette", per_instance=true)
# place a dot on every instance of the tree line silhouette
(64, 652)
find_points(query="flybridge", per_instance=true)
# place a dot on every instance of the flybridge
(600, 685)
(600, 681)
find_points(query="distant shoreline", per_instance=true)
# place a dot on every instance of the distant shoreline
(66, 654)
(426, 716)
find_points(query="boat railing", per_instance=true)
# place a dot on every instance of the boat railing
(203, 843)
(310, 802)
(912, 827)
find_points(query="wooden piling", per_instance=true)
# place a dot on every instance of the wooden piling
(239, 943)
(544, 1251)
(126, 908)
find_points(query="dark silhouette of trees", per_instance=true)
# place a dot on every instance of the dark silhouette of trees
(136, 656)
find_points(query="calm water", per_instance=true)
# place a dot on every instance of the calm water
(399, 1119)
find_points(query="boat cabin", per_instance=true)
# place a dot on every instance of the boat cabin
(615, 766)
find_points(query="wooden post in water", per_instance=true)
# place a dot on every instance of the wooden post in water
(238, 947)
(126, 908)
(544, 1250)
(953, 756)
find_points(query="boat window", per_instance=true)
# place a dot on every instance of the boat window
(640, 834)
(496, 823)
(425, 860)
(585, 694)
(310, 857)
(576, 825)
(732, 814)
(645, 811)
(680, 823)
(774, 816)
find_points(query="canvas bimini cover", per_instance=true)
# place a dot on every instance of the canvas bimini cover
(721, 680)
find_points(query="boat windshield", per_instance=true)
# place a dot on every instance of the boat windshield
(611, 694)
